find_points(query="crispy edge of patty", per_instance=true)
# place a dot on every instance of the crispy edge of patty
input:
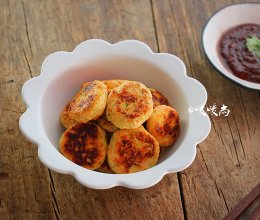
(84, 144)
(164, 125)
(129, 105)
(113, 83)
(105, 124)
(65, 120)
(105, 168)
(158, 98)
(132, 150)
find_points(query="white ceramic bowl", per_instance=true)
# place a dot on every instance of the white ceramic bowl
(222, 20)
(61, 76)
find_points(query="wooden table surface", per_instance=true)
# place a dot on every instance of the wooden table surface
(227, 164)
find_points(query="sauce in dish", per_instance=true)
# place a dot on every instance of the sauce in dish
(244, 63)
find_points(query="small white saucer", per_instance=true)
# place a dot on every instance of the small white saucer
(222, 20)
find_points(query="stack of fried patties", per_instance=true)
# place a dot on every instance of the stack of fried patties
(117, 126)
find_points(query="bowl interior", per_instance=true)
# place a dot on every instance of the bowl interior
(219, 23)
(64, 86)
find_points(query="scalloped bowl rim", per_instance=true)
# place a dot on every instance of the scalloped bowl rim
(31, 125)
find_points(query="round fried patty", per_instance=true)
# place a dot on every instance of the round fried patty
(129, 105)
(85, 144)
(90, 103)
(132, 150)
(164, 125)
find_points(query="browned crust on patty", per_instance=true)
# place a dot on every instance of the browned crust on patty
(65, 120)
(85, 144)
(132, 150)
(105, 124)
(158, 98)
(90, 103)
(164, 125)
(129, 105)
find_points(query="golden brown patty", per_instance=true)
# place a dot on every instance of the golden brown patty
(132, 150)
(158, 98)
(164, 125)
(129, 105)
(85, 144)
(105, 124)
(113, 83)
(90, 104)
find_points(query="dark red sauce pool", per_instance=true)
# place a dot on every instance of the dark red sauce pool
(243, 63)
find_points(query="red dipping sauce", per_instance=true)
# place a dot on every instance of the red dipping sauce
(243, 63)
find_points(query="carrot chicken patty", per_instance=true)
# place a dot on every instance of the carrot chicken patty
(164, 125)
(85, 144)
(129, 105)
(90, 103)
(132, 150)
